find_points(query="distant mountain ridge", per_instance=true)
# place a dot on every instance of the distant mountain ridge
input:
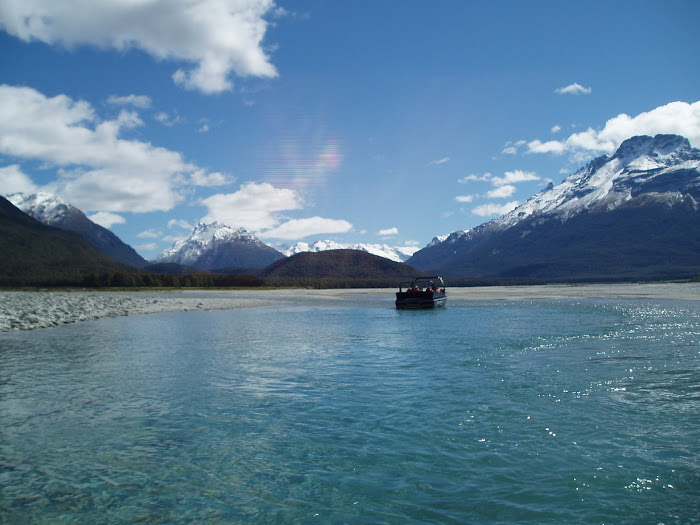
(634, 214)
(392, 253)
(51, 210)
(343, 268)
(214, 246)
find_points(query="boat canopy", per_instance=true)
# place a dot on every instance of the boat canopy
(422, 283)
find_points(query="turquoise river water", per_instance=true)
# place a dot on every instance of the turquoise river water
(539, 411)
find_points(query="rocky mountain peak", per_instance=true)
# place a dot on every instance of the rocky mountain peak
(215, 245)
(644, 145)
(43, 206)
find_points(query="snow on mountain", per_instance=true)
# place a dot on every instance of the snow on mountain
(394, 253)
(641, 165)
(44, 207)
(53, 211)
(607, 182)
(212, 246)
(185, 251)
(438, 239)
(628, 215)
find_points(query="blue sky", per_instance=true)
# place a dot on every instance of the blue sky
(375, 122)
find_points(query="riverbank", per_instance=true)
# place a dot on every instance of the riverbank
(28, 310)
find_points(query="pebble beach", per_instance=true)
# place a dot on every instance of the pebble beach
(29, 310)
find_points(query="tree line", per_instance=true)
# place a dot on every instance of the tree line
(119, 279)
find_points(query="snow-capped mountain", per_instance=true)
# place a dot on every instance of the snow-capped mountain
(215, 246)
(393, 253)
(53, 211)
(437, 240)
(634, 214)
(659, 167)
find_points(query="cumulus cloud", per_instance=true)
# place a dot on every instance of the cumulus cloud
(214, 37)
(573, 89)
(505, 186)
(180, 223)
(513, 177)
(98, 169)
(679, 118)
(389, 231)
(255, 206)
(138, 101)
(106, 219)
(300, 228)
(13, 180)
(259, 208)
(149, 234)
(202, 178)
(464, 198)
(489, 210)
(474, 177)
(167, 119)
(501, 192)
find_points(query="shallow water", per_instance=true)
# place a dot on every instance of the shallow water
(576, 411)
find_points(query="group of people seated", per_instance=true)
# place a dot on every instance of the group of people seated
(429, 288)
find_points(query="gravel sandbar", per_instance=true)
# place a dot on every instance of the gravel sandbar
(27, 310)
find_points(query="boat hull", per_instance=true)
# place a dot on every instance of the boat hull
(420, 300)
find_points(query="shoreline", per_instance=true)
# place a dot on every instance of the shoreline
(29, 310)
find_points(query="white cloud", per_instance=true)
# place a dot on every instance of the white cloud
(439, 161)
(168, 120)
(13, 180)
(106, 219)
(552, 146)
(202, 178)
(138, 101)
(679, 118)
(389, 231)
(501, 192)
(513, 177)
(504, 188)
(464, 198)
(473, 177)
(146, 247)
(573, 89)
(216, 37)
(255, 206)
(98, 169)
(488, 210)
(511, 148)
(149, 234)
(300, 228)
(180, 223)
(556, 128)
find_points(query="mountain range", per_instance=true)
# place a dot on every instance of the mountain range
(631, 215)
(216, 246)
(36, 254)
(51, 210)
(339, 268)
(393, 253)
